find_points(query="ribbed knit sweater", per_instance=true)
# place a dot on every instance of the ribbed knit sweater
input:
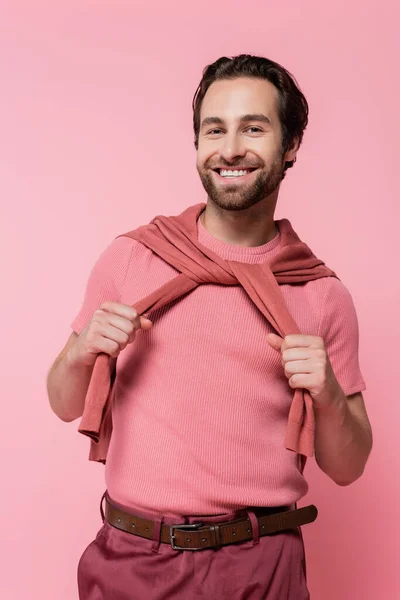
(201, 400)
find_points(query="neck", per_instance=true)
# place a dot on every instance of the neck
(253, 226)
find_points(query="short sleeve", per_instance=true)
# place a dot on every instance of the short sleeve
(106, 280)
(340, 332)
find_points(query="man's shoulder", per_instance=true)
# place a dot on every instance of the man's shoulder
(125, 245)
(327, 295)
(329, 286)
(118, 254)
(338, 305)
(336, 290)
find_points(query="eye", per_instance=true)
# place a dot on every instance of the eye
(215, 131)
(254, 127)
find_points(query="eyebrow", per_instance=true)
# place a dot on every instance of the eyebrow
(243, 119)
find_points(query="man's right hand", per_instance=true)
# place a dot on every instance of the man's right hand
(112, 327)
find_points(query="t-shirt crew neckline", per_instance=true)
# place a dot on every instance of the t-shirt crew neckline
(234, 252)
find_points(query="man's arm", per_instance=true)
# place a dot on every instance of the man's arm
(343, 438)
(107, 331)
(111, 328)
(68, 382)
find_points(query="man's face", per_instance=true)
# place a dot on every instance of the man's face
(239, 157)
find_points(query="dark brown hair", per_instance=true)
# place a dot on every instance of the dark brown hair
(292, 106)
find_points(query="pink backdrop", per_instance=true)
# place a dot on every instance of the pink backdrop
(95, 111)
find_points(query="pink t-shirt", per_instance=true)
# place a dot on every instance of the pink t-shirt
(201, 400)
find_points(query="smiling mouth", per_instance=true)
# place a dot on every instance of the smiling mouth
(233, 173)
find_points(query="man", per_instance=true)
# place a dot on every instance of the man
(202, 396)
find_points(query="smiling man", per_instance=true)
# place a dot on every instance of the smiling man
(225, 378)
(239, 157)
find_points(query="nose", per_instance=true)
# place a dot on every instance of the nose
(232, 147)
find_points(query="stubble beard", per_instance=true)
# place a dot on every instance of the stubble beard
(240, 197)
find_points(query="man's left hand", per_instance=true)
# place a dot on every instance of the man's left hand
(307, 365)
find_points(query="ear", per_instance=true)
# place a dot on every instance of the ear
(292, 152)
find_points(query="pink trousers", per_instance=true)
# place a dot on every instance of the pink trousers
(121, 566)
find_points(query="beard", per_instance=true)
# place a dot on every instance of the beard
(237, 197)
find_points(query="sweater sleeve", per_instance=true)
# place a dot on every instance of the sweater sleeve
(340, 332)
(106, 280)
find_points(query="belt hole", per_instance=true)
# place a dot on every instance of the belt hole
(147, 528)
(188, 539)
(119, 519)
(233, 532)
(248, 531)
(262, 526)
(133, 525)
(203, 539)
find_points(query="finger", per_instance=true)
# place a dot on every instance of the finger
(108, 346)
(301, 380)
(298, 366)
(145, 323)
(119, 322)
(111, 334)
(275, 341)
(122, 310)
(298, 340)
(296, 354)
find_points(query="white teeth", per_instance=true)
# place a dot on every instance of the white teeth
(226, 173)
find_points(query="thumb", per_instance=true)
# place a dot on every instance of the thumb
(145, 323)
(275, 341)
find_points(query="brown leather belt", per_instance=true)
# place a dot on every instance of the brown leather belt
(200, 537)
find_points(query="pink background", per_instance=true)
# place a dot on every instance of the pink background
(96, 138)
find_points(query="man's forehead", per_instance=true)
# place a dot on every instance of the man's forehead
(232, 98)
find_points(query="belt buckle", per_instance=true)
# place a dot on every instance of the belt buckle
(185, 527)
